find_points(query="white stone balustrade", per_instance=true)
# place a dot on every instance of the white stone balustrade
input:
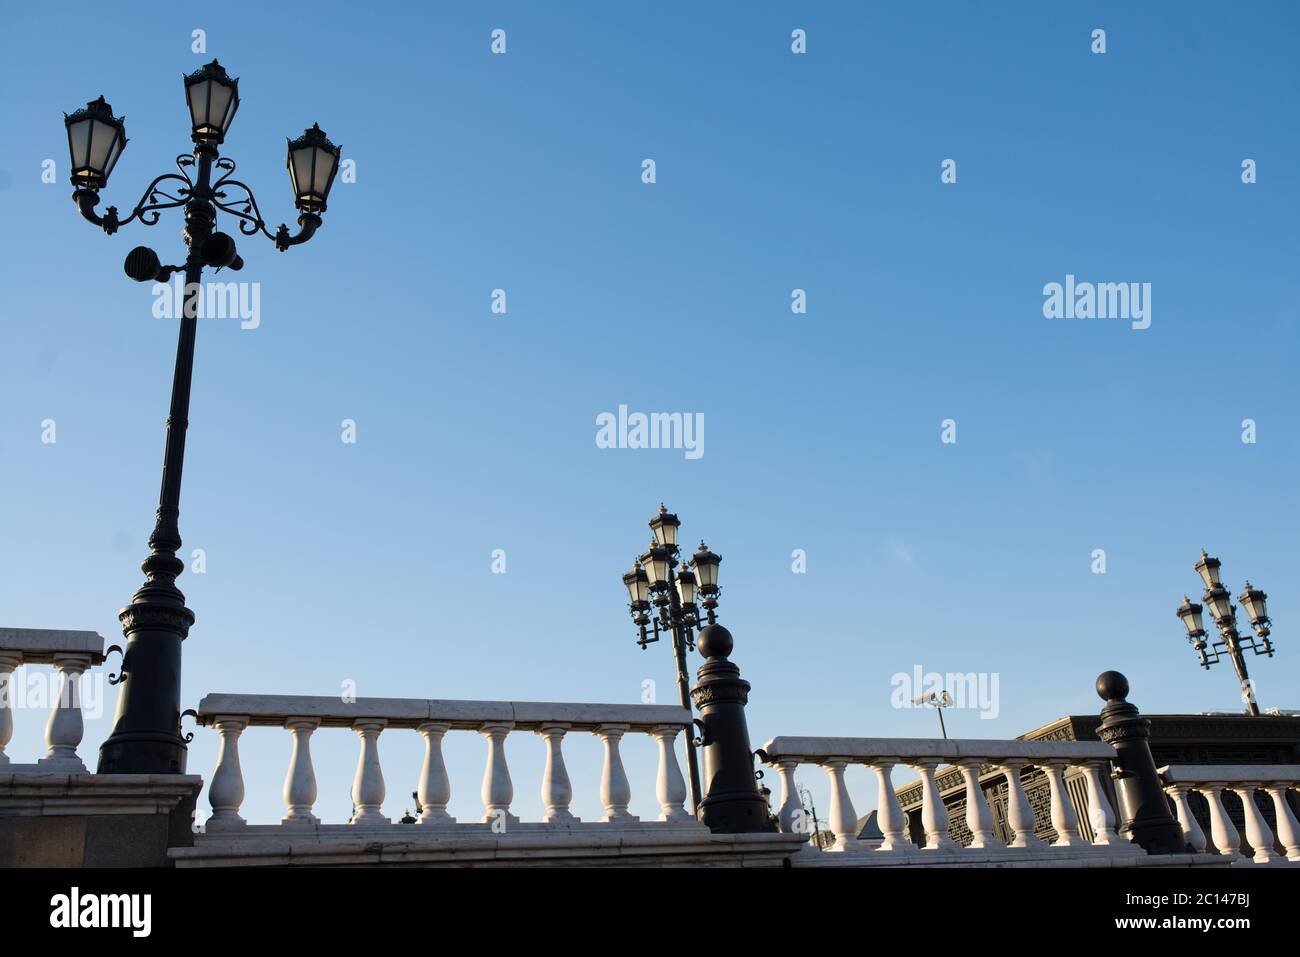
(974, 760)
(1211, 781)
(498, 722)
(71, 653)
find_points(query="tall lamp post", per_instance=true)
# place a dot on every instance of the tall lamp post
(146, 729)
(656, 578)
(1224, 612)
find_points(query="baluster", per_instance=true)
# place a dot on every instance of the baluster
(1020, 815)
(9, 662)
(557, 792)
(1223, 833)
(434, 790)
(498, 791)
(670, 788)
(1258, 834)
(368, 785)
(226, 792)
(300, 782)
(978, 816)
(615, 791)
(844, 820)
(64, 730)
(1064, 818)
(1192, 832)
(934, 816)
(889, 813)
(1100, 813)
(1288, 831)
(791, 818)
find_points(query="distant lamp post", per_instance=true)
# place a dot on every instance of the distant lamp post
(679, 595)
(810, 812)
(764, 791)
(145, 737)
(938, 702)
(1217, 599)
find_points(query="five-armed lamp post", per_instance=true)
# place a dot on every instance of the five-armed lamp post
(146, 730)
(1224, 613)
(656, 578)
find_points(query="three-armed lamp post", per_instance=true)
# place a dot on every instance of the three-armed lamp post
(1224, 613)
(657, 579)
(146, 730)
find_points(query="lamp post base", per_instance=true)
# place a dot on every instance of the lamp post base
(142, 752)
(146, 728)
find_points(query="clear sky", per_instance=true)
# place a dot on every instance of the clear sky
(775, 171)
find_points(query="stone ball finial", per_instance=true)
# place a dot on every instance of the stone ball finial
(1112, 686)
(714, 641)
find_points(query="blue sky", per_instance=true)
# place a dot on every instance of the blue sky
(475, 431)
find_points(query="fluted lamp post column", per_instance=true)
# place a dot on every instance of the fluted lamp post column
(146, 729)
(733, 803)
(1148, 821)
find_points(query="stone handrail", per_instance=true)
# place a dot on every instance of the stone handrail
(230, 714)
(924, 755)
(71, 653)
(1211, 780)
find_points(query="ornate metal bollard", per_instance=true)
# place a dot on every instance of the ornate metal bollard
(732, 803)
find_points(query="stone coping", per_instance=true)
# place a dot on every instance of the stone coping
(816, 749)
(1012, 858)
(39, 793)
(1230, 773)
(40, 645)
(655, 845)
(332, 711)
(443, 831)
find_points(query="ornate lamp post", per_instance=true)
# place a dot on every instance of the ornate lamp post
(657, 579)
(146, 730)
(1224, 613)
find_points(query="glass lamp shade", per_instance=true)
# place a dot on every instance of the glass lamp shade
(706, 564)
(686, 586)
(1190, 614)
(1220, 604)
(213, 98)
(312, 160)
(1256, 604)
(658, 563)
(96, 139)
(665, 525)
(638, 585)
(1208, 569)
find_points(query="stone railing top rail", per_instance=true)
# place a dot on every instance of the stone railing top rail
(332, 711)
(1229, 773)
(813, 750)
(40, 645)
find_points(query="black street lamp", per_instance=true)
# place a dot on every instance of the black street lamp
(678, 593)
(146, 730)
(1224, 613)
